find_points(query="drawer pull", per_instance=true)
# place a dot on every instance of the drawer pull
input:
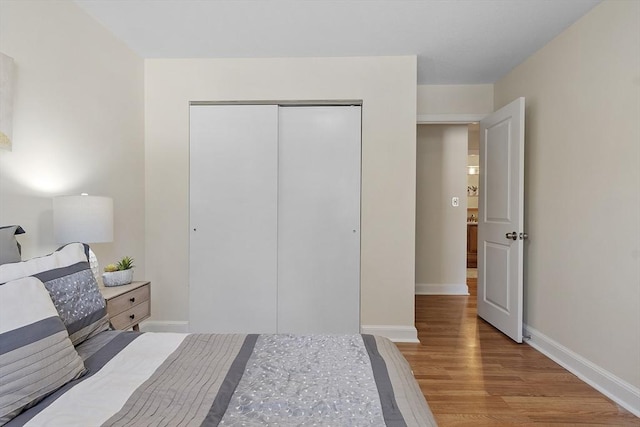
(133, 316)
(132, 299)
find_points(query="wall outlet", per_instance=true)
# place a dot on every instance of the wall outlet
(455, 202)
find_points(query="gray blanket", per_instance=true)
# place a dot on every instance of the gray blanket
(269, 380)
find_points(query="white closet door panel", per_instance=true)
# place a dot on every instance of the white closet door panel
(233, 217)
(319, 220)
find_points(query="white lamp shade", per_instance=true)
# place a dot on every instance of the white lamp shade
(86, 219)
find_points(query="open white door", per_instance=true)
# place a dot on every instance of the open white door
(501, 219)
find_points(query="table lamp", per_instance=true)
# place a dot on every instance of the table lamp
(85, 219)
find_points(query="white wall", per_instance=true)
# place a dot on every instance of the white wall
(443, 100)
(582, 282)
(78, 124)
(388, 90)
(441, 229)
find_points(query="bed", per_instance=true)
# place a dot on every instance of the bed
(61, 365)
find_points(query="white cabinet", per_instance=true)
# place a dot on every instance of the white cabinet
(275, 219)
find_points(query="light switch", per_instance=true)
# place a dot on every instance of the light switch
(455, 202)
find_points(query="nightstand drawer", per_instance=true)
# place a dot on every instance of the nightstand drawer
(128, 305)
(130, 317)
(124, 302)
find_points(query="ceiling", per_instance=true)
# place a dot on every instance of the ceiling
(456, 41)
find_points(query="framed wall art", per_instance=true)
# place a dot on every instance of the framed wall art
(6, 101)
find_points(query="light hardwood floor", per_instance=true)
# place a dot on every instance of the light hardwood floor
(472, 375)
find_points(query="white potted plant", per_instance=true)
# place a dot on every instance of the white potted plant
(120, 273)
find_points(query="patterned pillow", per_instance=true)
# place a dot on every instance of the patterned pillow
(36, 355)
(73, 288)
(9, 246)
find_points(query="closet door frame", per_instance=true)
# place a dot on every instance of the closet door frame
(209, 297)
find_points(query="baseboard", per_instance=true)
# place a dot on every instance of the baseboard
(441, 289)
(164, 326)
(393, 332)
(616, 389)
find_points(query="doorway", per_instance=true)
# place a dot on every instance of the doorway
(473, 191)
(447, 167)
(500, 281)
(441, 209)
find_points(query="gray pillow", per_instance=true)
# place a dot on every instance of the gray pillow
(9, 246)
(73, 288)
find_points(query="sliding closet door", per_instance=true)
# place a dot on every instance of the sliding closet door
(319, 220)
(233, 218)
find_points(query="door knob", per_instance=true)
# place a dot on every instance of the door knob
(513, 235)
(523, 236)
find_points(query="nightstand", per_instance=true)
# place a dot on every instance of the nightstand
(128, 305)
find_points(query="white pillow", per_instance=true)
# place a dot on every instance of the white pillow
(63, 257)
(36, 354)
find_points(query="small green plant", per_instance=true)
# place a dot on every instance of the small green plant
(125, 263)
